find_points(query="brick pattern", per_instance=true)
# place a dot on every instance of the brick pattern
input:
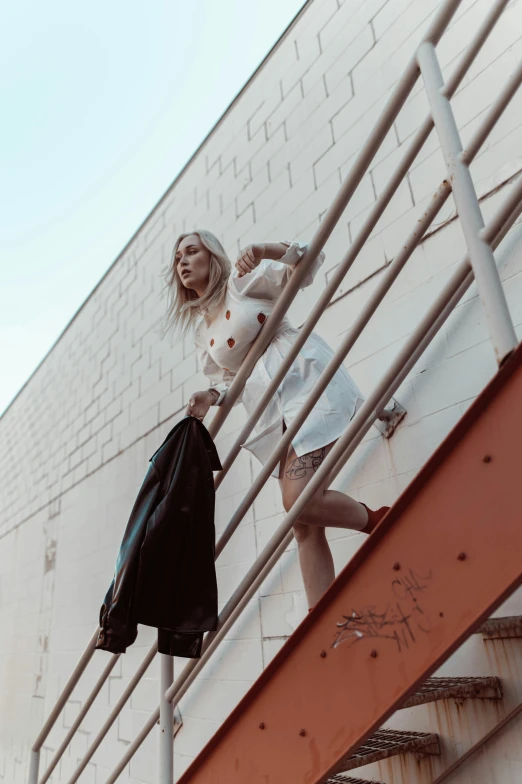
(77, 437)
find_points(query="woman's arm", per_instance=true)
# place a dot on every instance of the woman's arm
(271, 250)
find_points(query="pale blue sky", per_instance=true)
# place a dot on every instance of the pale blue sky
(102, 106)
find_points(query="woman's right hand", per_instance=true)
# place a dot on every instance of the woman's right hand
(249, 258)
(199, 404)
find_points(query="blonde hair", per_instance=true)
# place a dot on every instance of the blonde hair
(183, 305)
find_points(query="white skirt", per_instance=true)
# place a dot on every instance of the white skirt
(329, 417)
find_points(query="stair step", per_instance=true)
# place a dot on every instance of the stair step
(340, 779)
(460, 688)
(388, 743)
(502, 628)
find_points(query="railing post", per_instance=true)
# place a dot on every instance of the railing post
(489, 285)
(34, 764)
(166, 722)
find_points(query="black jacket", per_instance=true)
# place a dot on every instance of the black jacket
(165, 572)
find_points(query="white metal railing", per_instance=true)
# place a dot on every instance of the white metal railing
(479, 265)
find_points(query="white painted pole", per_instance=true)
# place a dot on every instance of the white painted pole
(166, 722)
(34, 764)
(489, 285)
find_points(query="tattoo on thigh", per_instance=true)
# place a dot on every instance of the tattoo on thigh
(298, 467)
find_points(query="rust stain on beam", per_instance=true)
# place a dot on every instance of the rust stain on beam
(502, 628)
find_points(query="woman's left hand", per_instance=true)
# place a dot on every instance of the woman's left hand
(249, 258)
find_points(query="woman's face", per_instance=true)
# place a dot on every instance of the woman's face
(193, 264)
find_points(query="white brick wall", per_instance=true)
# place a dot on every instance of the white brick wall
(77, 438)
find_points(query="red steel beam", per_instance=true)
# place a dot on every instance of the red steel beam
(444, 557)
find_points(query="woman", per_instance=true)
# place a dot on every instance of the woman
(228, 308)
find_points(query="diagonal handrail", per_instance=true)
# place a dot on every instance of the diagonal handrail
(333, 214)
(362, 236)
(136, 678)
(445, 303)
(388, 277)
(80, 717)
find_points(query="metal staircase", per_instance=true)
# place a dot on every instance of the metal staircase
(434, 569)
(430, 574)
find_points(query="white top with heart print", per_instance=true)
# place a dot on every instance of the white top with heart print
(223, 342)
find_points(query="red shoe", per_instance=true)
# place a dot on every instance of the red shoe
(373, 518)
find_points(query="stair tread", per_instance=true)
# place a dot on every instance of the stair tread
(464, 687)
(388, 743)
(340, 779)
(499, 628)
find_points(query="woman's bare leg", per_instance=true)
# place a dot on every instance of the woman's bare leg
(315, 560)
(341, 511)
